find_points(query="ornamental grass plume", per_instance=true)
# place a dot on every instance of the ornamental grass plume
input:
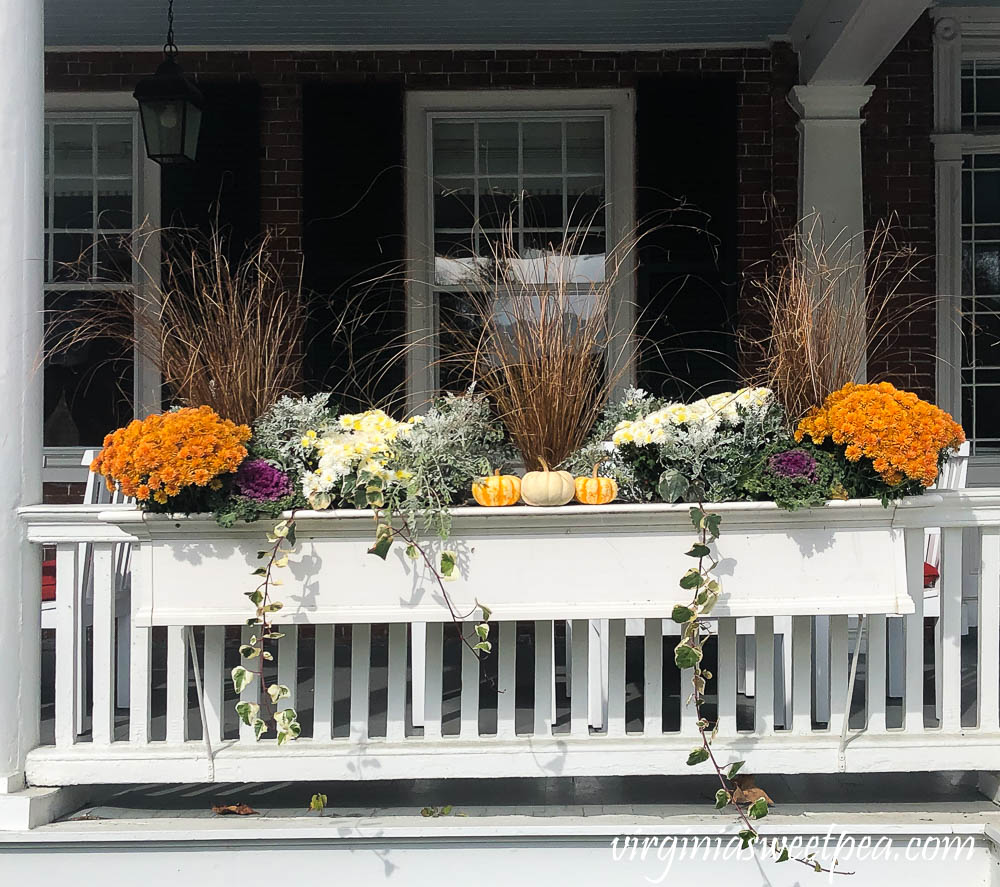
(903, 435)
(222, 332)
(544, 343)
(158, 458)
(827, 308)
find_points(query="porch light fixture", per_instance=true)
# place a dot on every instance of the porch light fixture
(170, 107)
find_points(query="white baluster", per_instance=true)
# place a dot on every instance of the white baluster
(616, 677)
(875, 686)
(141, 656)
(361, 652)
(469, 704)
(914, 544)
(103, 717)
(951, 629)
(68, 641)
(544, 679)
(839, 676)
(177, 683)
(395, 723)
(323, 681)
(288, 664)
(653, 678)
(579, 655)
(433, 679)
(726, 677)
(989, 630)
(764, 668)
(506, 680)
(215, 662)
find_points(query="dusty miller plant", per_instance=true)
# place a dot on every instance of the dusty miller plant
(459, 441)
(278, 433)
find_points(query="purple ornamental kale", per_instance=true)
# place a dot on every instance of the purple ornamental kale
(793, 464)
(261, 481)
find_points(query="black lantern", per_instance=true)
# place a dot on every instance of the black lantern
(170, 106)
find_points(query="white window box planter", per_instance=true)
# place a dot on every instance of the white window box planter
(575, 562)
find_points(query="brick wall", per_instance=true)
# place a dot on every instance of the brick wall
(898, 163)
(763, 79)
(896, 145)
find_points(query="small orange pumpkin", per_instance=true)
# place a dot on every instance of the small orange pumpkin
(594, 490)
(497, 490)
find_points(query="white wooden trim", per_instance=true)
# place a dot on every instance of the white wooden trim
(157, 50)
(421, 314)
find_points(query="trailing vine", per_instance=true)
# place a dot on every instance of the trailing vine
(282, 542)
(689, 654)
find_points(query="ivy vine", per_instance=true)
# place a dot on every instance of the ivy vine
(689, 654)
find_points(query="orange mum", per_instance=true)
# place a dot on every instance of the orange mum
(156, 457)
(901, 434)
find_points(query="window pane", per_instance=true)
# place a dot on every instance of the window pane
(986, 197)
(542, 148)
(73, 144)
(454, 152)
(585, 201)
(88, 386)
(585, 146)
(73, 203)
(543, 203)
(114, 149)
(498, 203)
(497, 149)
(454, 203)
(987, 270)
(114, 204)
(72, 256)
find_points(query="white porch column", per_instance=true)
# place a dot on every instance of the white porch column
(21, 188)
(830, 158)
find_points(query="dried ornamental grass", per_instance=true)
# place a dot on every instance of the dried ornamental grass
(545, 347)
(827, 308)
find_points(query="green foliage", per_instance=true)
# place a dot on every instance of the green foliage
(634, 404)
(317, 803)
(278, 433)
(459, 441)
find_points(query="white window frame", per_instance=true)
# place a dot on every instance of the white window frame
(961, 33)
(146, 385)
(617, 106)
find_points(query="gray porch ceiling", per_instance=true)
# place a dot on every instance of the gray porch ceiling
(405, 23)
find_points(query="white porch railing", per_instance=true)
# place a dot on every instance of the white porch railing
(510, 715)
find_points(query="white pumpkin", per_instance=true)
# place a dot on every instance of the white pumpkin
(547, 487)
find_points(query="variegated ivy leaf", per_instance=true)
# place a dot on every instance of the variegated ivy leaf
(259, 728)
(483, 631)
(281, 561)
(249, 652)
(272, 636)
(288, 725)
(411, 552)
(281, 529)
(449, 559)
(273, 608)
(278, 691)
(758, 809)
(487, 612)
(256, 597)
(247, 712)
(241, 678)
(485, 646)
(267, 656)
